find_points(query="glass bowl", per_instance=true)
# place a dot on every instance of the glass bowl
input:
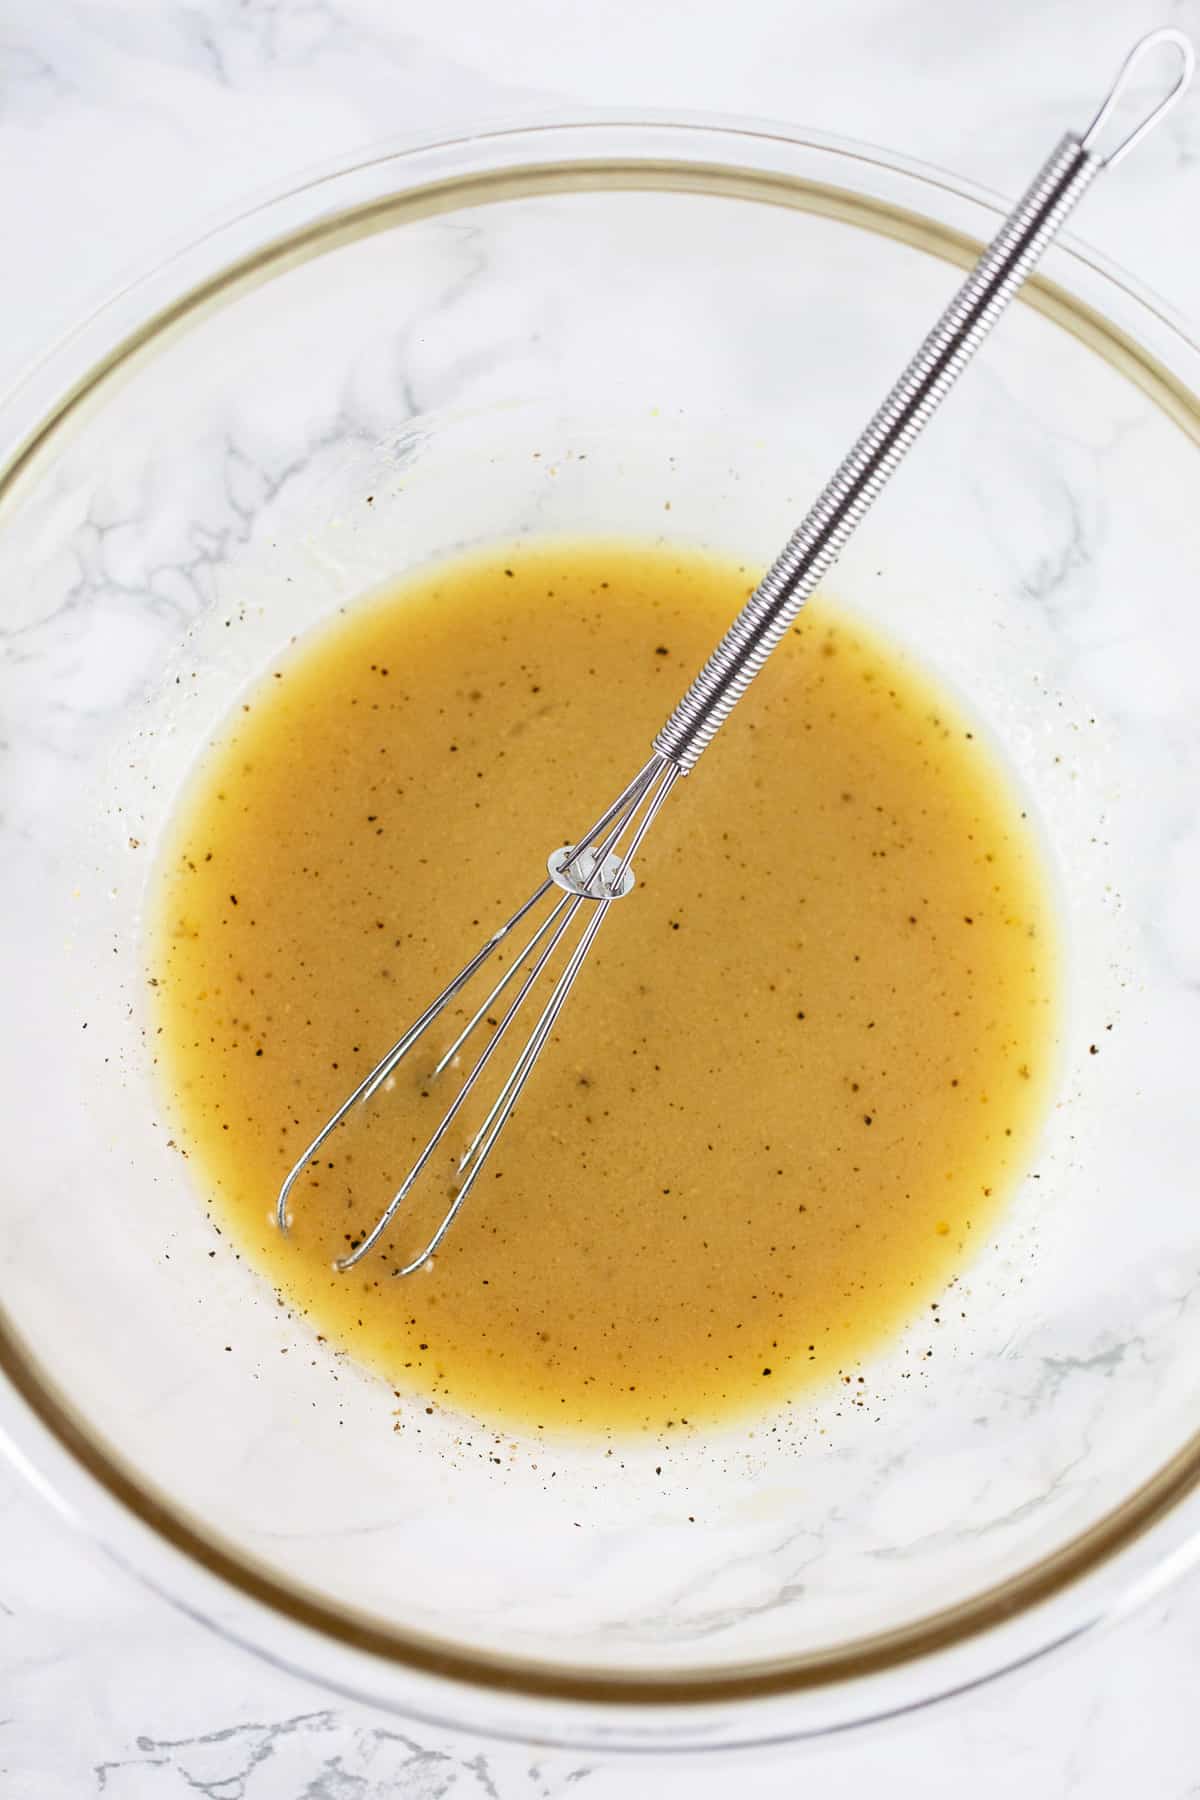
(656, 331)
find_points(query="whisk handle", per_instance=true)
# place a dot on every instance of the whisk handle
(818, 542)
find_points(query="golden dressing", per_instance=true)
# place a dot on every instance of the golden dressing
(804, 1061)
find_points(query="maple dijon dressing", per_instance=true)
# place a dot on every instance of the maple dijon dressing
(803, 1065)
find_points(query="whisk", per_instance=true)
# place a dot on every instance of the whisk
(567, 909)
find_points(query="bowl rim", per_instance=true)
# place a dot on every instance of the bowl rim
(737, 159)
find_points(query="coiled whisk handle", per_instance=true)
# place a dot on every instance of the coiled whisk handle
(819, 540)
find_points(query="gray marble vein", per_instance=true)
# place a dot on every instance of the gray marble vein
(312, 1756)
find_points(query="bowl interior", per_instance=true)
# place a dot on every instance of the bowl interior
(636, 355)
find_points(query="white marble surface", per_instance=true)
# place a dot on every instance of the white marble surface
(126, 125)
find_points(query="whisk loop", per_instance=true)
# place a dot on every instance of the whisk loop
(1167, 38)
(586, 878)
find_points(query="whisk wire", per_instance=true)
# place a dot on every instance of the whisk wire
(375, 1078)
(456, 1105)
(605, 878)
(497, 1118)
(485, 1006)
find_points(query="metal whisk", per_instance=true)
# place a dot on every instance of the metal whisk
(584, 879)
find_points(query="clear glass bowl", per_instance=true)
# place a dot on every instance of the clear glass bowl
(649, 330)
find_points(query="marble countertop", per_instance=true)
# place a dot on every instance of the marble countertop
(127, 125)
